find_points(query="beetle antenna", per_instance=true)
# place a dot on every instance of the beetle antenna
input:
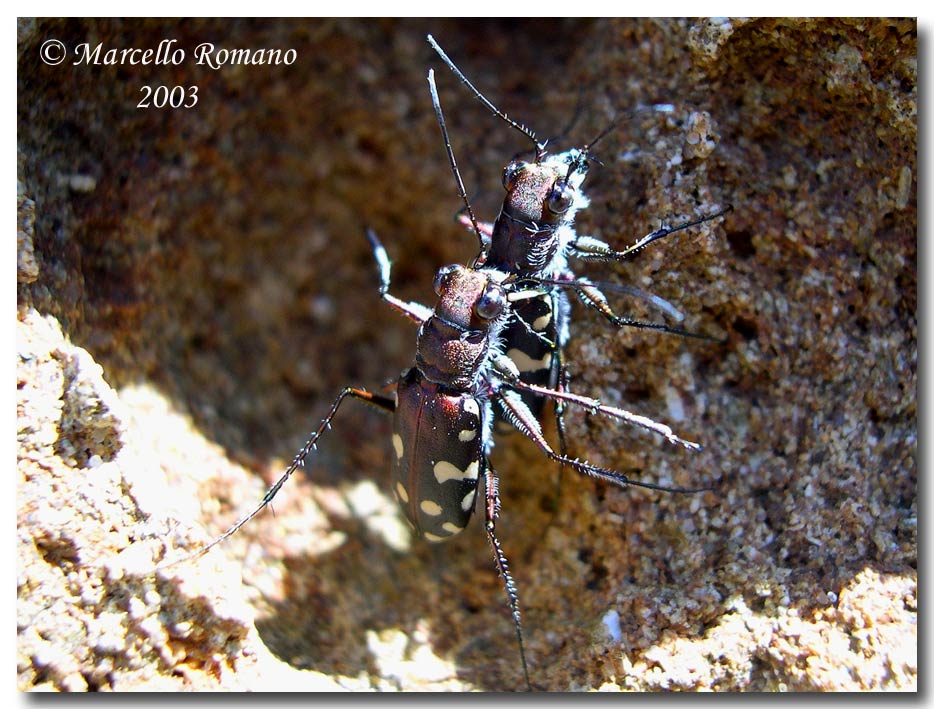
(436, 102)
(585, 153)
(539, 147)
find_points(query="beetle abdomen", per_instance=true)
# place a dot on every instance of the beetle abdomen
(438, 446)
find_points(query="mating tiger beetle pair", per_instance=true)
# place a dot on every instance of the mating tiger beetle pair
(492, 348)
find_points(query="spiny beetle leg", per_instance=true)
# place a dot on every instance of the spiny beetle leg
(594, 406)
(519, 415)
(591, 296)
(415, 312)
(383, 402)
(588, 248)
(491, 486)
(563, 384)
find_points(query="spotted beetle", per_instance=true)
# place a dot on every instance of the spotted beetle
(443, 407)
(443, 410)
(533, 237)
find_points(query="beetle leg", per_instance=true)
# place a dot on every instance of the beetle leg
(519, 415)
(561, 377)
(491, 485)
(591, 249)
(593, 298)
(298, 461)
(416, 312)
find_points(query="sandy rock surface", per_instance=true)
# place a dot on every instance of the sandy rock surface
(194, 288)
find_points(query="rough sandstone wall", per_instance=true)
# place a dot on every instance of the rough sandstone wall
(194, 288)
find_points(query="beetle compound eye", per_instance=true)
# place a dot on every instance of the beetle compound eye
(511, 174)
(560, 198)
(441, 278)
(491, 303)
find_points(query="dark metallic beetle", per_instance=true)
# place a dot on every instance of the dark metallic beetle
(443, 408)
(533, 237)
(438, 436)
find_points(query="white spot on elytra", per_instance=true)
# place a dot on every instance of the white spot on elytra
(524, 363)
(397, 444)
(467, 502)
(430, 507)
(402, 492)
(468, 434)
(471, 406)
(434, 537)
(445, 471)
(541, 322)
(451, 527)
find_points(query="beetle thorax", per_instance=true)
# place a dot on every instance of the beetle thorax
(454, 342)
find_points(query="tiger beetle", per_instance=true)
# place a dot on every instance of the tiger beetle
(443, 406)
(533, 237)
